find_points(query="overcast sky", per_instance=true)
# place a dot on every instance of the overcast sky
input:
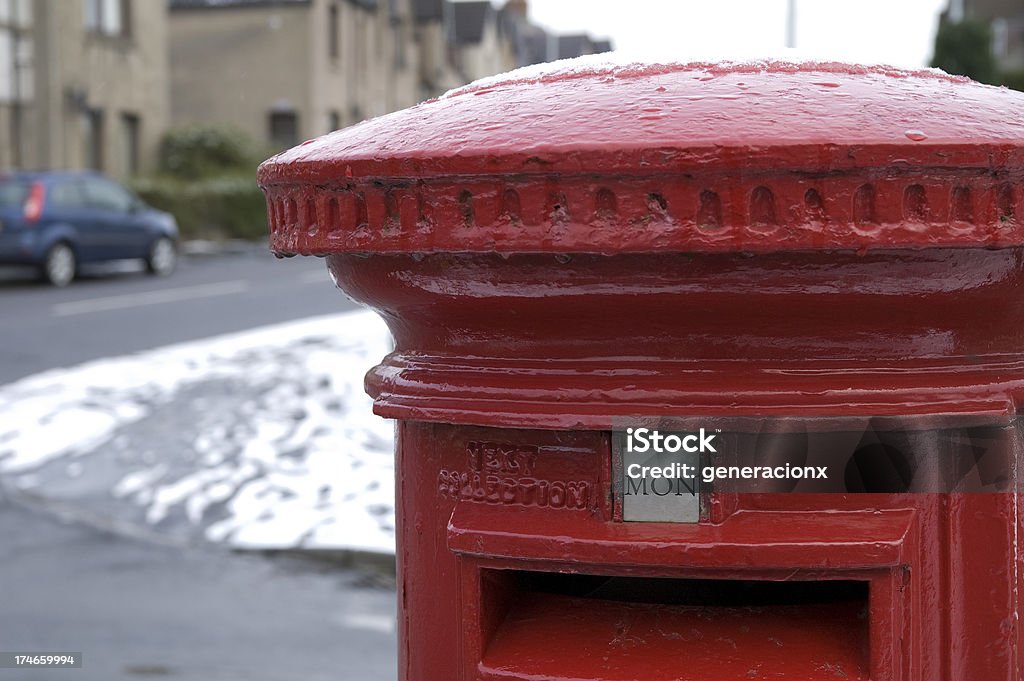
(897, 32)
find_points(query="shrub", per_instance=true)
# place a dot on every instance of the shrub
(204, 150)
(207, 180)
(229, 206)
(965, 49)
(1014, 79)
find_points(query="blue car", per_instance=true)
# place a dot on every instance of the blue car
(59, 220)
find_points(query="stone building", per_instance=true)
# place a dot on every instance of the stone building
(1006, 19)
(83, 84)
(97, 83)
(437, 74)
(484, 40)
(288, 70)
(478, 38)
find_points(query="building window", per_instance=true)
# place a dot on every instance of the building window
(108, 17)
(359, 54)
(1000, 37)
(398, 38)
(130, 143)
(16, 51)
(16, 75)
(92, 139)
(284, 129)
(333, 121)
(333, 35)
(16, 13)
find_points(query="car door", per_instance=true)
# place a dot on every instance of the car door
(119, 232)
(66, 205)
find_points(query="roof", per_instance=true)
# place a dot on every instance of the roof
(573, 45)
(428, 10)
(532, 46)
(710, 151)
(469, 20)
(579, 45)
(530, 40)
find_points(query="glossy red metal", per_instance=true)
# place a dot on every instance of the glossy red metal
(563, 247)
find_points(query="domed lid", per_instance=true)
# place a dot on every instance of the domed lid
(587, 156)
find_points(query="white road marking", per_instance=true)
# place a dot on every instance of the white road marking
(384, 624)
(167, 295)
(315, 277)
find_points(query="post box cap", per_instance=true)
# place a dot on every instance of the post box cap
(591, 156)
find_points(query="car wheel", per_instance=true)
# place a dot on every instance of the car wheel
(162, 258)
(60, 265)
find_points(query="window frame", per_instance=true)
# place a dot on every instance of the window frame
(276, 115)
(93, 140)
(97, 18)
(131, 142)
(333, 32)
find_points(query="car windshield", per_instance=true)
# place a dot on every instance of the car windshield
(12, 192)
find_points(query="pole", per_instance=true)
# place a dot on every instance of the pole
(791, 24)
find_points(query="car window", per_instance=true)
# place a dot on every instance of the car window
(106, 196)
(67, 194)
(13, 193)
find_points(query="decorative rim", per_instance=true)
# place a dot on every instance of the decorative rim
(664, 212)
(426, 388)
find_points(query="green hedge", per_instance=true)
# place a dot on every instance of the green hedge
(196, 151)
(207, 180)
(225, 207)
(965, 48)
(1014, 79)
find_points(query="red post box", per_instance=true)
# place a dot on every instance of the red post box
(833, 252)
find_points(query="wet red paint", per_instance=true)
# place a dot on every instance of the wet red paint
(557, 251)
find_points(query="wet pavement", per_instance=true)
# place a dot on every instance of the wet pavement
(138, 610)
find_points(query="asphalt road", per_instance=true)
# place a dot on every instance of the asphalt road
(116, 310)
(137, 611)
